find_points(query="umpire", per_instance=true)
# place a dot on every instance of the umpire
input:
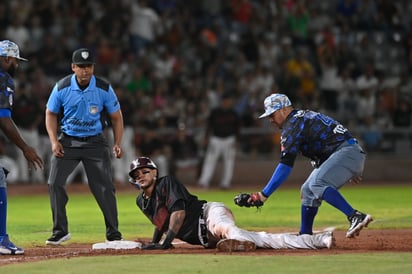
(80, 99)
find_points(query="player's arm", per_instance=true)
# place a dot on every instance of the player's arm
(157, 235)
(117, 125)
(51, 127)
(11, 131)
(176, 220)
(175, 223)
(279, 176)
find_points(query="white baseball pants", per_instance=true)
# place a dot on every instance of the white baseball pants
(221, 224)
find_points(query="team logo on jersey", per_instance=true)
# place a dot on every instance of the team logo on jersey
(10, 92)
(282, 141)
(85, 55)
(93, 110)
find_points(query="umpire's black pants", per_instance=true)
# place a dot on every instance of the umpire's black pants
(93, 152)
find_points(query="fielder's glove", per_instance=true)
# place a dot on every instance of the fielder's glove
(248, 200)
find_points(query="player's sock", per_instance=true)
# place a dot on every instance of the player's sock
(334, 198)
(307, 215)
(3, 211)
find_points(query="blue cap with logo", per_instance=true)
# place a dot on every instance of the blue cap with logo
(10, 49)
(275, 102)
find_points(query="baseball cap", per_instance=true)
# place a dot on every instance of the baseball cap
(275, 102)
(10, 49)
(82, 56)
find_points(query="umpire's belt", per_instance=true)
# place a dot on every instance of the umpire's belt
(80, 139)
(202, 231)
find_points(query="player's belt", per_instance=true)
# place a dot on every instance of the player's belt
(202, 231)
(352, 141)
(81, 139)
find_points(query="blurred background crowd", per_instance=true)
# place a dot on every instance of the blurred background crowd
(171, 61)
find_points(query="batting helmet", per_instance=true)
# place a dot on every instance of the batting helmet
(141, 162)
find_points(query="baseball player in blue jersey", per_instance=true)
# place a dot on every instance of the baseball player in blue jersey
(9, 56)
(81, 99)
(336, 156)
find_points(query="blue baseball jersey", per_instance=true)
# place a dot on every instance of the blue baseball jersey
(6, 93)
(312, 134)
(82, 109)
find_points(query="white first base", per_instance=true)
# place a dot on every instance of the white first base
(122, 244)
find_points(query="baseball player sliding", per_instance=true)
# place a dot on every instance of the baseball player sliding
(336, 156)
(177, 214)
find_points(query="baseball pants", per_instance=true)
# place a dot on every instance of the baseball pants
(95, 156)
(344, 164)
(217, 147)
(221, 224)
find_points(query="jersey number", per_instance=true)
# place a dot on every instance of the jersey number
(339, 129)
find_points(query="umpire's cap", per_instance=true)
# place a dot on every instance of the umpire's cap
(275, 102)
(141, 162)
(10, 49)
(83, 56)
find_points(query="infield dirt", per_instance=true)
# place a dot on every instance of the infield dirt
(369, 241)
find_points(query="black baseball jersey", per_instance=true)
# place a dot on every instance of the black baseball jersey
(312, 134)
(168, 196)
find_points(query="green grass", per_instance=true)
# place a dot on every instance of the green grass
(384, 263)
(29, 225)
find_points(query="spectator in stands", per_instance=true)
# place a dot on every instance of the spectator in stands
(27, 116)
(302, 71)
(145, 26)
(346, 12)
(371, 135)
(347, 100)
(367, 85)
(127, 103)
(17, 31)
(329, 80)
(151, 145)
(298, 22)
(226, 53)
(184, 148)
(402, 114)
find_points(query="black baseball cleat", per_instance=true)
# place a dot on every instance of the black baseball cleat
(357, 220)
(57, 239)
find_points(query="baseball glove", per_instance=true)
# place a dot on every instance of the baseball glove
(248, 200)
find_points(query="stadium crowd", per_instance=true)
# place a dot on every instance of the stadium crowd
(170, 61)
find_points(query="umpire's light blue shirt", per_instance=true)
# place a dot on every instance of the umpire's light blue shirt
(82, 108)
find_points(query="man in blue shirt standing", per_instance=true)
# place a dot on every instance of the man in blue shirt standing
(83, 100)
(9, 58)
